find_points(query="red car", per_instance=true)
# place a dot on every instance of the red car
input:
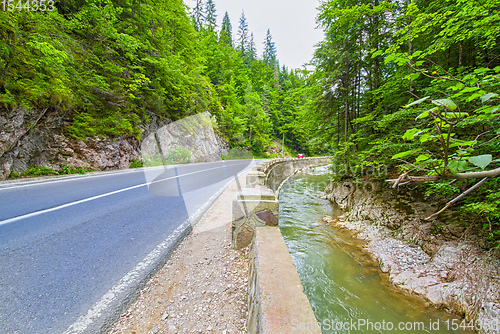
(300, 156)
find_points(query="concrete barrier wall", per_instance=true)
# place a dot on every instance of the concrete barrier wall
(276, 299)
(278, 170)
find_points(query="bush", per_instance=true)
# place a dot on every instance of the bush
(136, 164)
(179, 155)
(35, 171)
(238, 154)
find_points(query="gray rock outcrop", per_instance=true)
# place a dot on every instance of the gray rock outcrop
(36, 138)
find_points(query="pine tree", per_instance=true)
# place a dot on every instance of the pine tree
(210, 15)
(226, 32)
(251, 52)
(243, 35)
(269, 54)
(198, 16)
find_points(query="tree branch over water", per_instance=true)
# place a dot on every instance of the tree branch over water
(484, 175)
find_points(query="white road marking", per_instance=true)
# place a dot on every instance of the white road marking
(110, 297)
(78, 177)
(59, 207)
(62, 179)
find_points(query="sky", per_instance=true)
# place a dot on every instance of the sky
(292, 24)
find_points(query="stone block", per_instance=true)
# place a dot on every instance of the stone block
(276, 301)
(255, 179)
(249, 194)
(258, 168)
(252, 207)
(244, 238)
(268, 217)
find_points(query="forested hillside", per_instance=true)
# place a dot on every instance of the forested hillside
(111, 65)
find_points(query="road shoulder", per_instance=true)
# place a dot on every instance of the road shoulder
(203, 286)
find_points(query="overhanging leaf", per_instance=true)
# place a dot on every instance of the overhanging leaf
(456, 166)
(411, 133)
(389, 58)
(425, 137)
(456, 114)
(423, 157)
(378, 53)
(417, 102)
(414, 76)
(486, 97)
(474, 96)
(404, 154)
(449, 104)
(481, 70)
(481, 161)
(486, 109)
(465, 90)
(423, 115)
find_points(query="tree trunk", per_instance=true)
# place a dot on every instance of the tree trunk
(410, 51)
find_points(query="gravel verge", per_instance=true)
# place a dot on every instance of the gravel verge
(203, 286)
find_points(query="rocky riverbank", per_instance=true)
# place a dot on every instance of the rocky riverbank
(449, 265)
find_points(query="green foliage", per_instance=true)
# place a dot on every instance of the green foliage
(441, 190)
(178, 155)
(136, 164)
(413, 86)
(33, 172)
(447, 139)
(36, 171)
(485, 206)
(115, 125)
(75, 170)
(110, 65)
(238, 154)
(107, 62)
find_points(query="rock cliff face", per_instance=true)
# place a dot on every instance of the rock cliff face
(194, 133)
(450, 269)
(35, 138)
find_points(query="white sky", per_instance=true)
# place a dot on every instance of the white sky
(292, 24)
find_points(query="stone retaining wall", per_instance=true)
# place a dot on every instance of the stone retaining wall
(277, 171)
(276, 299)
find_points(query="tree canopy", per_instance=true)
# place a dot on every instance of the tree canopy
(414, 86)
(110, 65)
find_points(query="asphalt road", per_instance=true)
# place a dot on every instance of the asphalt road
(74, 250)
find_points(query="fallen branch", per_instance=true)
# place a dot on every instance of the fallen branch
(456, 199)
(460, 176)
(401, 178)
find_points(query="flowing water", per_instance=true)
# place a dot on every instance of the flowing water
(346, 288)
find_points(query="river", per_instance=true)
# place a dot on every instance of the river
(346, 288)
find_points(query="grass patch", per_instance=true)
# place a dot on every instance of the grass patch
(36, 171)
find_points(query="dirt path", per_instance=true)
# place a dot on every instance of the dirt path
(202, 288)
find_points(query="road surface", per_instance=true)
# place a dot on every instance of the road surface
(74, 250)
